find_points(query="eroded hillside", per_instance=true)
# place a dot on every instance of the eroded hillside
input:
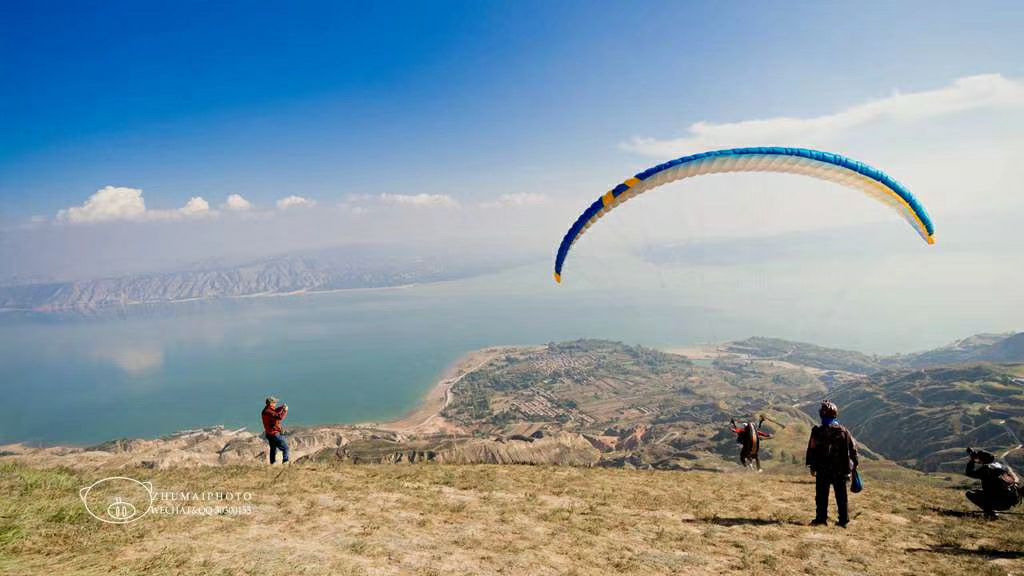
(926, 418)
(636, 405)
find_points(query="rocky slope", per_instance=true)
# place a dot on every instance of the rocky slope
(351, 444)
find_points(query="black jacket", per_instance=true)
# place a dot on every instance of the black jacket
(991, 477)
(831, 450)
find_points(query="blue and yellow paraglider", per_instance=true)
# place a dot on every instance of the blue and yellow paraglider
(823, 165)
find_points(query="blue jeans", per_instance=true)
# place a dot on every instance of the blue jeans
(278, 443)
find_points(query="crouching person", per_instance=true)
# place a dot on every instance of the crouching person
(272, 417)
(999, 484)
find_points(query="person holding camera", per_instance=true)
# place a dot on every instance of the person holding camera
(999, 484)
(272, 415)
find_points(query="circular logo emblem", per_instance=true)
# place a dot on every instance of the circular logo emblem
(118, 499)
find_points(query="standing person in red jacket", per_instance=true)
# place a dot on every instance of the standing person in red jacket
(272, 417)
(832, 458)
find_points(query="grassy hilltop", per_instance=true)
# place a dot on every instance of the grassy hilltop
(438, 519)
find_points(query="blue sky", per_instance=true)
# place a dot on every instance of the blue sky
(143, 136)
(470, 100)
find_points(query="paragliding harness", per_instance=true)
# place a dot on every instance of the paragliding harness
(1008, 488)
(1012, 483)
(836, 452)
(837, 455)
(749, 438)
(749, 430)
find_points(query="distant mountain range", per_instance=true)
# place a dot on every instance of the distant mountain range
(978, 348)
(321, 271)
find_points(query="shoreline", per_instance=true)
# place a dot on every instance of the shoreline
(426, 417)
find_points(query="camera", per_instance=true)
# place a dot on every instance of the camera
(980, 455)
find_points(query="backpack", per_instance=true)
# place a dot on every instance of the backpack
(835, 451)
(1011, 483)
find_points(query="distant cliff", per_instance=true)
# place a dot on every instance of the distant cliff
(997, 348)
(279, 275)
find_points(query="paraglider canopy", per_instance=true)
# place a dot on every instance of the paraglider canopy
(813, 163)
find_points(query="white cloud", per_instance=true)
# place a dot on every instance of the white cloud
(294, 202)
(441, 200)
(517, 199)
(196, 206)
(363, 203)
(116, 203)
(110, 203)
(987, 91)
(236, 203)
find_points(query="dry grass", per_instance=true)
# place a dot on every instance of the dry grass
(432, 519)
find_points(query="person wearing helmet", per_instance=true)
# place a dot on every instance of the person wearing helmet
(832, 458)
(749, 436)
(272, 416)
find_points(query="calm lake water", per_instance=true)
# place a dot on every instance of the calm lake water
(341, 357)
(363, 356)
